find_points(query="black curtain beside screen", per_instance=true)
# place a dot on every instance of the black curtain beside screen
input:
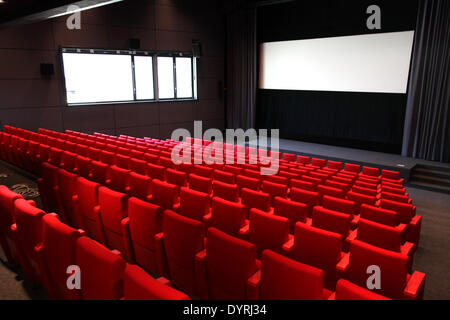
(427, 122)
(241, 68)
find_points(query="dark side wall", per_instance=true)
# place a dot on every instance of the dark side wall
(372, 121)
(30, 101)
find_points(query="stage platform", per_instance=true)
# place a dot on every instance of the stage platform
(404, 165)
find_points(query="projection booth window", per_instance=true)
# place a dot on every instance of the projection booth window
(115, 76)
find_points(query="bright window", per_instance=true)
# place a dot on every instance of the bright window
(165, 78)
(98, 77)
(184, 77)
(143, 67)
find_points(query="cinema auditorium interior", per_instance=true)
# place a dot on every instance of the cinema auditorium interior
(250, 150)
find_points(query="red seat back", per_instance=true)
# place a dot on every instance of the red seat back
(260, 223)
(293, 211)
(331, 220)
(286, 279)
(194, 204)
(226, 191)
(101, 270)
(230, 262)
(393, 267)
(227, 216)
(183, 239)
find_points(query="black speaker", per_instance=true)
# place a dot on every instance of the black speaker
(47, 69)
(135, 43)
(196, 49)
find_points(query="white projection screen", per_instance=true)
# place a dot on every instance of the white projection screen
(363, 63)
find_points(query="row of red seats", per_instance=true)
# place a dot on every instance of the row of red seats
(120, 176)
(226, 269)
(46, 248)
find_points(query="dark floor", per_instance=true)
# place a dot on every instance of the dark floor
(432, 257)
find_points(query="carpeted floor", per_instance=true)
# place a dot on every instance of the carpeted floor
(432, 257)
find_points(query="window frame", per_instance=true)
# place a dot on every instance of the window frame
(133, 54)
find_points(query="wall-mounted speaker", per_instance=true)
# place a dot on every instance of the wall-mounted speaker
(135, 43)
(47, 69)
(196, 49)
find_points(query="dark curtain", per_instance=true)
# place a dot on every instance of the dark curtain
(241, 68)
(427, 121)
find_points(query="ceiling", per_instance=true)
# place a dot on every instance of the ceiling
(15, 12)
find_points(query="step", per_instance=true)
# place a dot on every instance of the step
(431, 172)
(433, 180)
(428, 186)
(433, 168)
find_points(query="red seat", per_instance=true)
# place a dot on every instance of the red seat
(107, 157)
(303, 159)
(85, 204)
(366, 191)
(383, 236)
(318, 163)
(226, 191)
(288, 156)
(165, 195)
(394, 197)
(226, 266)
(276, 179)
(140, 186)
(7, 199)
(48, 187)
(293, 211)
(260, 223)
(350, 168)
(370, 172)
(100, 172)
(360, 199)
(330, 191)
(256, 199)
(395, 281)
(118, 179)
(155, 171)
(286, 279)
(393, 176)
(178, 178)
(55, 254)
(247, 182)
(101, 270)
(112, 207)
(200, 183)
(94, 154)
(55, 156)
(27, 234)
(274, 189)
(380, 215)
(230, 217)
(67, 191)
(138, 166)
(194, 204)
(301, 184)
(138, 285)
(203, 171)
(140, 227)
(224, 176)
(182, 238)
(335, 165)
(309, 198)
(345, 290)
(318, 248)
(331, 220)
(406, 213)
(83, 167)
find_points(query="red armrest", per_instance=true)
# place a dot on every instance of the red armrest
(342, 265)
(201, 275)
(161, 260)
(253, 284)
(287, 246)
(126, 235)
(415, 286)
